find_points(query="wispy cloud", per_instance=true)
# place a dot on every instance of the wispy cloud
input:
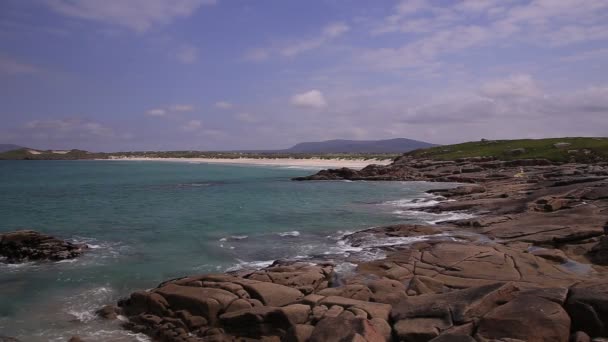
(170, 110)
(13, 66)
(514, 86)
(435, 31)
(69, 128)
(137, 15)
(223, 105)
(330, 32)
(246, 117)
(186, 54)
(192, 125)
(586, 55)
(297, 47)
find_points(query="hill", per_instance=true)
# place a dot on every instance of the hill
(30, 154)
(9, 147)
(585, 150)
(399, 145)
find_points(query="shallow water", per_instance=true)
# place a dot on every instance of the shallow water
(150, 221)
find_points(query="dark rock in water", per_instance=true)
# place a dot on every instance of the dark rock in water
(75, 339)
(459, 191)
(24, 245)
(8, 339)
(332, 174)
(108, 312)
(362, 237)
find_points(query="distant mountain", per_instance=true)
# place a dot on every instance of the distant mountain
(9, 147)
(399, 145)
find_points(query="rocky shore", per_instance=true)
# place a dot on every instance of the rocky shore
(530, 266)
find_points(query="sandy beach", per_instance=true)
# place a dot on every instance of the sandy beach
(307, 163)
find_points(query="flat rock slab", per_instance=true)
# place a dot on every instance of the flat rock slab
(441, 266)
(551, 228)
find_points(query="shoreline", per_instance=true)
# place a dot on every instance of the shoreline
(530, 252)
(533, 251)
(293, 162)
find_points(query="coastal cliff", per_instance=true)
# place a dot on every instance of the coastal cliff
(530, 265)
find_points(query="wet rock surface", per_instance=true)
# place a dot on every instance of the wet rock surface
(529, 266)
(29, 245)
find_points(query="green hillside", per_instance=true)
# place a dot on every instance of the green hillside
(555, 149)
(25, 154)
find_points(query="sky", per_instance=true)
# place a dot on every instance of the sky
(119, 75)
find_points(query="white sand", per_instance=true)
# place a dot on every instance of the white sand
(294, 162)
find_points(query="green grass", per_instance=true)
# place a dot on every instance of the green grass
(584, 150)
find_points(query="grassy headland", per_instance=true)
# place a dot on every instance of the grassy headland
(585, 150)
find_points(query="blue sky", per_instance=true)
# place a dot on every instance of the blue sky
(227, 74)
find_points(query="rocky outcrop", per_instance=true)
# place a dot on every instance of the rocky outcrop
(443, 291)
(23, 245)
(277, 301)
(530, 266)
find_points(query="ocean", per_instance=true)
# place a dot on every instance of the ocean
(146, 222)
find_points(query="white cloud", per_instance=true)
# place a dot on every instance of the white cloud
(520, 85)
(309, 99)
(156, 112)
(223, 105)
(12, 66)
(137, 15)
(173, 109)
(192, 125)
(186, 54)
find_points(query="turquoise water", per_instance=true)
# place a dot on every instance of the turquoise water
(150, 221)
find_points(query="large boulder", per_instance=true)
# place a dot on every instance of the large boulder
(421, 318)
(588, 308)
(24, 245)
(526, 318)
(302, 276)
(256, 322)
(599, 253)
(273, 294)
(206, 302)
(346, 329)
